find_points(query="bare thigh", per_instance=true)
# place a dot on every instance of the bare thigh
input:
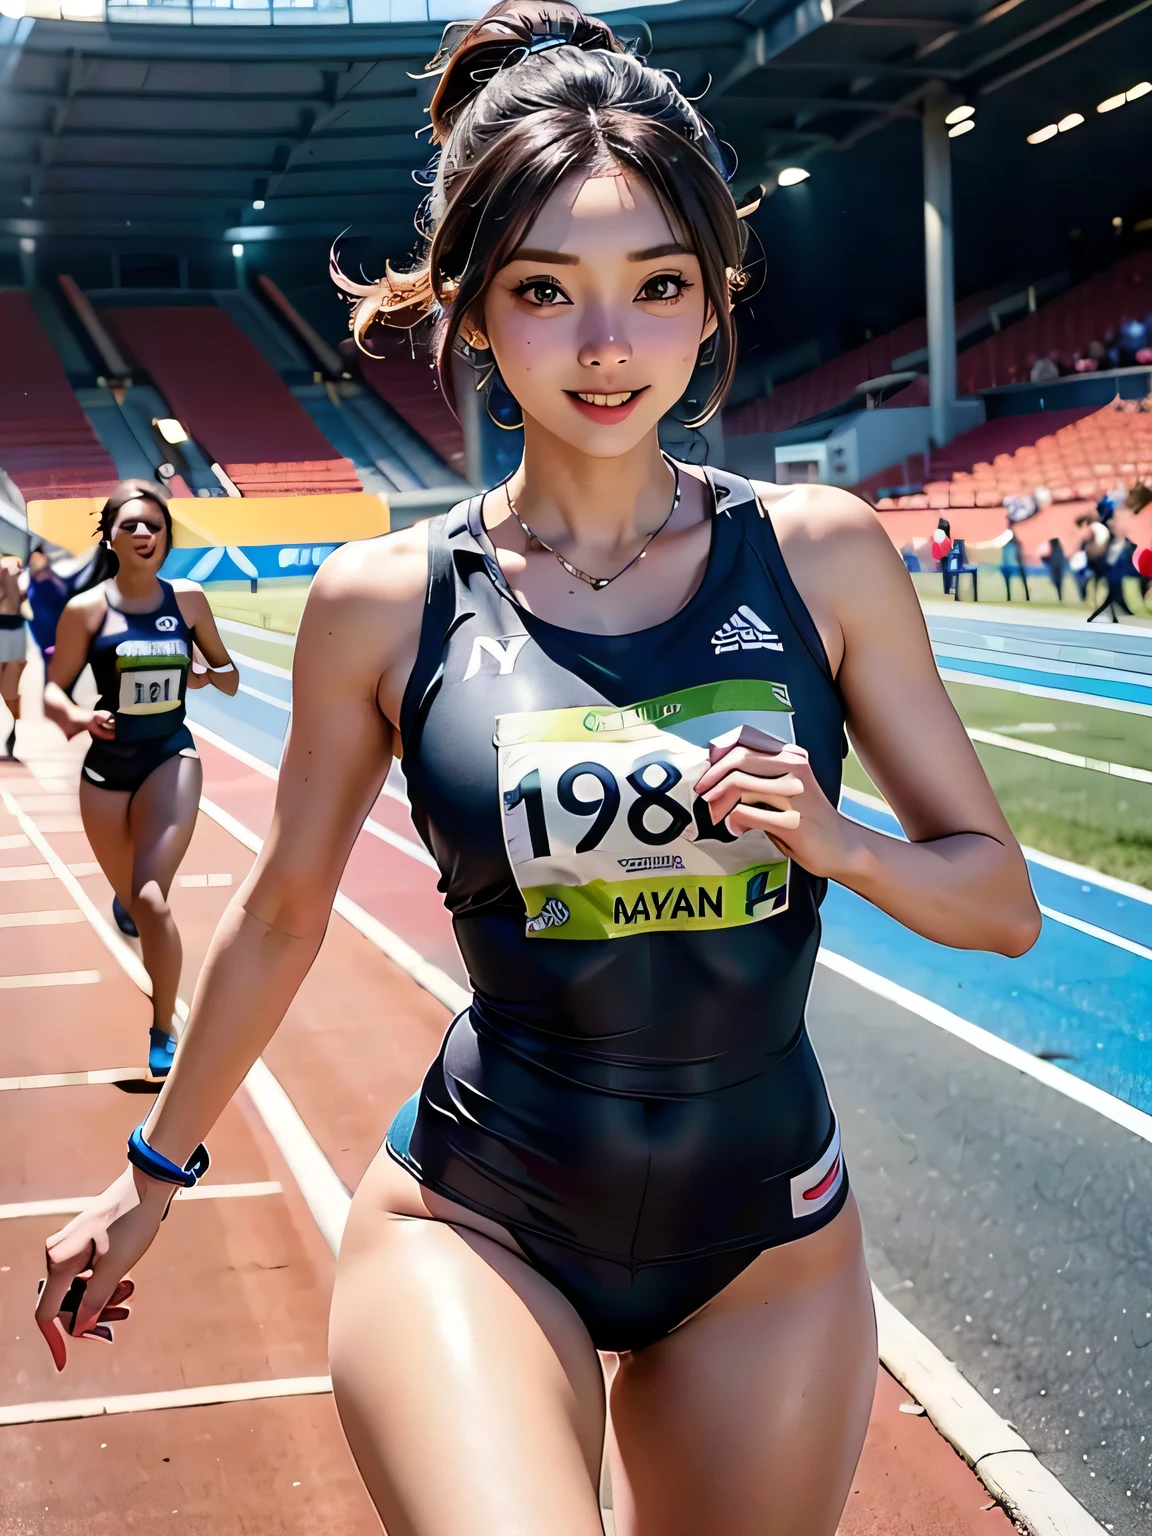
(104, 813)
(161, 820)
(749, 1418)
(468, 1388)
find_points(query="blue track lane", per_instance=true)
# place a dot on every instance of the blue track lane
(1072, 994)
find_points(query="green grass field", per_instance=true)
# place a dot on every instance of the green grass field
(1073, 813)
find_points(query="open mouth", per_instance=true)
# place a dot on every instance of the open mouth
(605, 406)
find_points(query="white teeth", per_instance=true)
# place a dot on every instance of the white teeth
(608, 399)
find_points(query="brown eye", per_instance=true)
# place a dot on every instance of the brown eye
(663, 288)
(543, 294)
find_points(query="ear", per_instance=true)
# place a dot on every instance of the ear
(472, 331)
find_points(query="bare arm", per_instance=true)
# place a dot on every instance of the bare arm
(961, 878)
(80, 620)
(356, 641)
(201, 621)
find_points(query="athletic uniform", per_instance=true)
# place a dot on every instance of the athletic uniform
(140, 662)
(632, 1092)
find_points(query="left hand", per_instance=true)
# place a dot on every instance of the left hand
(759, 784)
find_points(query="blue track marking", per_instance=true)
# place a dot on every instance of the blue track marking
(1064, 677)
(247, 722)
(1072, 993)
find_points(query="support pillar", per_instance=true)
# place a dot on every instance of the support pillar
(938, 270)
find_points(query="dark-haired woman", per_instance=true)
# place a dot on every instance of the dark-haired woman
(625, 1144)
(140, 783)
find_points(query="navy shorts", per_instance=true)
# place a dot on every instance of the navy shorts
(109, 765)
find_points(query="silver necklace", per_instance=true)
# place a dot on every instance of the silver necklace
(598, 583)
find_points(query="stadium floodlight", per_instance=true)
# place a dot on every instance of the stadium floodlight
(1043, 134)
(1073, 120)
(1138, 90)
(27, 245)
(258, 203)
(792, 176)
(237, 251)
(1112, 103)
(965, 127)
(171, 430)
(959, 115)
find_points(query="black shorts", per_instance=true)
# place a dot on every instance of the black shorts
(110, 765)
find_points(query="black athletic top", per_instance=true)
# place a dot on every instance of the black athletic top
(633, 1078)
(140, 662)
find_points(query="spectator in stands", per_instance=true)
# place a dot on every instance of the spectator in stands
(1139, 497)
(1117, 564)
(1012, 563)
(1044, 370)
(941, 546)
(13, 640)
(1053, 556)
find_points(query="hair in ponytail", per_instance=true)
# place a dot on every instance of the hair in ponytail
(527, 95)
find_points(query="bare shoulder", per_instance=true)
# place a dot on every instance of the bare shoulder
(369, 594)
(86, 608)
(185, 588)
(834, 540)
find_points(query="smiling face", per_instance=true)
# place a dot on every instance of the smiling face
(139, 535)
(597, 320)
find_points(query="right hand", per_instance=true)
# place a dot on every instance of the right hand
(95, 1250)
(100, 725)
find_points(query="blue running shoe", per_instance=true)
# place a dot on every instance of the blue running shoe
(161, 1049)
(123, 919)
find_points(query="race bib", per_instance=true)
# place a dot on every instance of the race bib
(605, 833)
(151, 674)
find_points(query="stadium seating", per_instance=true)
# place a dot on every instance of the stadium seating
(409, 385)
(231, 400)
(1081, 456)
(47, 445)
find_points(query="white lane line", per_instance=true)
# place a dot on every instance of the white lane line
(201, 881)
(82, 871)
(97, 1077)
(1003, 1460)
(108, 936)
(262, 666)
(255, 632)
(71, 1204)
(50, 979)
(266, 698)
(397, 840)
(423, 972)
(150, 1402)
(15, 840)
(1035, 690)
(1046, 1072)
(407, 845)
(40, 919)
(16, 872)
(1052, 755)
(1103, 934)
(238, 753)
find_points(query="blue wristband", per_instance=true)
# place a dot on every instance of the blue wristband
(157, 1166)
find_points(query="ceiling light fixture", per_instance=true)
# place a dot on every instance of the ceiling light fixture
(965, 127)
(792, 175)
(171, 430)
(1112, 103)
(237, 250)
(1138, 90)
(959, 115)
(1043, 134)
(258, 202)
(1073, 120)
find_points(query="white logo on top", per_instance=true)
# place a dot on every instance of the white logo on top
(503, 655)
(745, 631)
(166, 622)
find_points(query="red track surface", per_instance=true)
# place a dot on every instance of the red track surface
(236, 1289)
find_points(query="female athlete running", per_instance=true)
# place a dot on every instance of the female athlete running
(140, 783)
(625, 1144)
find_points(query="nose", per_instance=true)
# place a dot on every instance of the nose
(604, 351)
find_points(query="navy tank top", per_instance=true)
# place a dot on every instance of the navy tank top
(633, 1079)
(140, 662)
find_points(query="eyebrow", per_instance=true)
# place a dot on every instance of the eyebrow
(560, 259)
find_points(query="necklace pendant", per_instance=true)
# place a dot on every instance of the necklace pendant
(598, 583)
